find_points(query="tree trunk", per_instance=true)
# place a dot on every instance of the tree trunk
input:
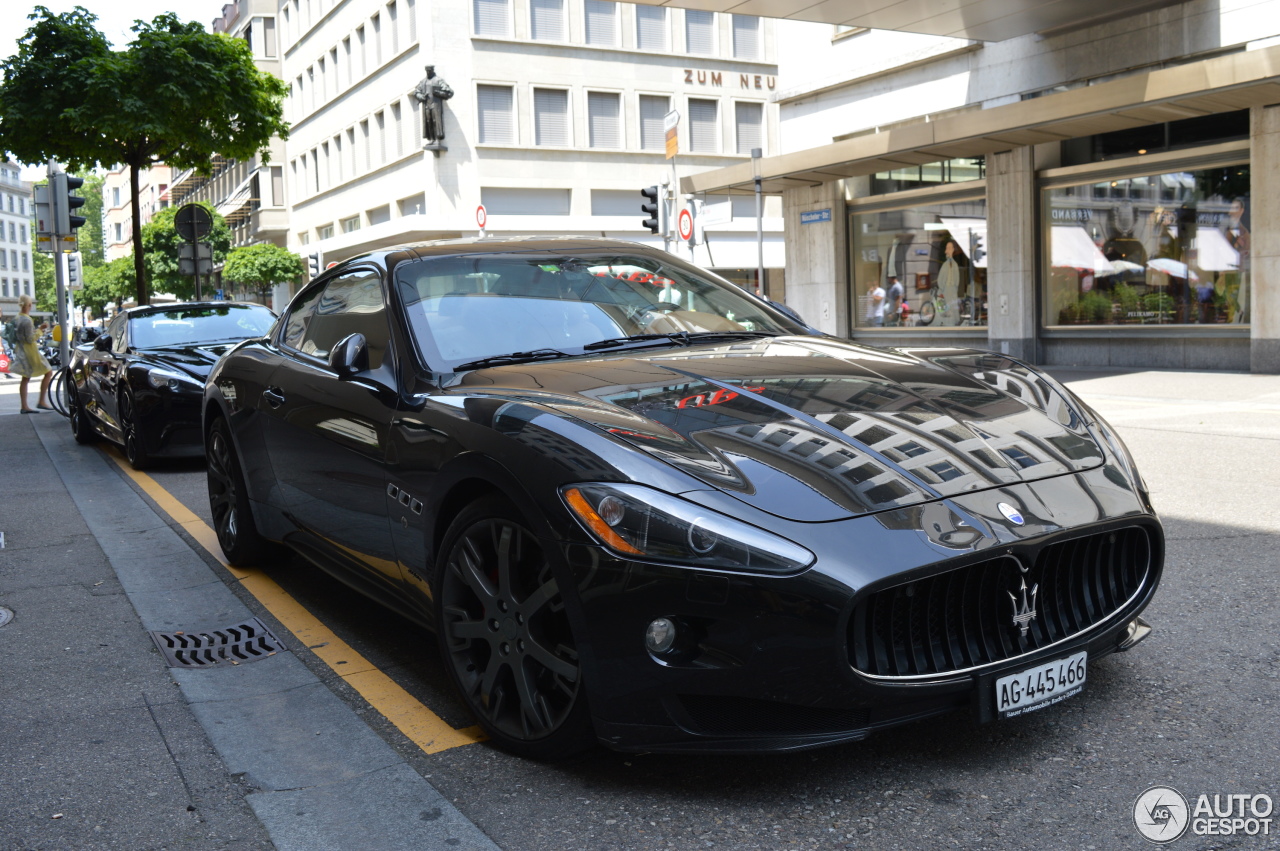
(139, 260)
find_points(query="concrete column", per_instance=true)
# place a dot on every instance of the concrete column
(1264, 234)
(1011, 257)
(817, 258)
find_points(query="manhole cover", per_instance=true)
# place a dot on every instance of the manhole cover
(248, 641)
(6, 615)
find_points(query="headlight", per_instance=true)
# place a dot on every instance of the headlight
(639, 522)
(159, 378)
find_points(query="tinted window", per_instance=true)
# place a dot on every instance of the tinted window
(117, 332)
(186, 325)
(346, 305)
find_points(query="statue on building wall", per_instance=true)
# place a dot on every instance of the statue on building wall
(432, 92)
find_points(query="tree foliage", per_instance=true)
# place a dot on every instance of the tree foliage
(162, 242)
(90, 235)
(108, 282)
(46, 285)
(260, 267)
(178, 95)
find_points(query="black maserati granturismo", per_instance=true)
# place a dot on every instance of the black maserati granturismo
(640, 506)
(140, 383)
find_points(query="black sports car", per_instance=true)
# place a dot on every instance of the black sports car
(141, 382)
(641, 506)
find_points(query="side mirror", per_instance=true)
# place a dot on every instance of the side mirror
(102, 343)
(350, 356)
(88, 334)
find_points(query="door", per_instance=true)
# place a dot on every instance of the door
(102, 371)
(328, 438)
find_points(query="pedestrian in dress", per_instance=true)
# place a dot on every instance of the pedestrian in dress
(27, 360)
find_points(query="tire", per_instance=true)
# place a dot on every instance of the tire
(505, 636)
(229, 501)
(81, 428)
(135, 452)
(927, 313)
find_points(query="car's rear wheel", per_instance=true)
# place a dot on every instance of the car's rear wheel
(135, 452)
(229, 500)
(505, 634)
(81, 428)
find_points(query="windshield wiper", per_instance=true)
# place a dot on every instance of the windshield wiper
(513, 357)
(684, 338)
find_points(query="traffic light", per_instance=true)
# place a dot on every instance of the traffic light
(313, 265)
(75, 279)
(61, 187)
(650, 209)
(976, 251)
(44, 213)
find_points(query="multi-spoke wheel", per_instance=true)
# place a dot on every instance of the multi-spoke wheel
(505, 634)
(229, 500)
(134, 450)
(927, 313)
(81, 428)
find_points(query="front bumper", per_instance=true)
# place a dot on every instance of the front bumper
(766, 664)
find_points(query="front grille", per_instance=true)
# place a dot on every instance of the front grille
(964, 618)
(737, 716)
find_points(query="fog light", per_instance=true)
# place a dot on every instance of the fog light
(660, 635)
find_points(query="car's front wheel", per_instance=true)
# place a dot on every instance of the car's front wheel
(505, 635)
(229, 500)
(135, 451)
(81, 428)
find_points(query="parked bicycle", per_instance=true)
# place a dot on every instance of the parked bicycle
(935, 305)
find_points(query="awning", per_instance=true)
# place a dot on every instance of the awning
(1223, 84)
(1073, 248)
(1215, 254)
(236, 205)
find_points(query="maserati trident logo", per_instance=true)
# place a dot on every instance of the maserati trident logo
(1012, 514)
(1024, 610)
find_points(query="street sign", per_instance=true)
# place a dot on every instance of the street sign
(685, 223)
(192, 222)
(195, 251)
(482, 216)
(671, 123)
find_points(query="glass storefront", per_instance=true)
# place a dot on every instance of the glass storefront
(925, 266)
(1159, 249)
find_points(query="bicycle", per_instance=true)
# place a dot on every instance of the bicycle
(935, 305)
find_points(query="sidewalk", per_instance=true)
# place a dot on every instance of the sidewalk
(102, 746)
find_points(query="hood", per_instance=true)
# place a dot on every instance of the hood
(195, 359)
(817, 429)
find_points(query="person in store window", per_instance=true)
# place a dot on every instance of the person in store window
(950, 280)
(875, 305)
(1236, 230)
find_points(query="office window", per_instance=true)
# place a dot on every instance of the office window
(601, 23)
(700, 32)
(411, 7)
(119, 232)
(393, 24)
(324, 81)
(397, 131)
(651, 28)
(604, 120)
(380, 119)
(364, 144)
(115, 196)
(346, 60)
(325, 232)
(351, 224)
(702, 125)
(339, 161)
(376, 22)
(24, 263)
(652, 111)
(546, 20)
(749, 126)
(269, 37)
(496, 113)
(277, 186)
(334, 71)
(361, 61)
(492, 17)
(550, 117)
(746, 37)
(22, 234)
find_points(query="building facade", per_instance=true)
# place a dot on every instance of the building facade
(117, 212)
(16, 217)
(1098, 194)
(552, 114)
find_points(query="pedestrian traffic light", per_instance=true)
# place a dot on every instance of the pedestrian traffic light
(64, 203)
(650, 208)
(75, 279)
(44, 213)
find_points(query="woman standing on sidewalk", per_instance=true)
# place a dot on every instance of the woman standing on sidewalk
(27, 360)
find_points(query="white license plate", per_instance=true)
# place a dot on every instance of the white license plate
(1041, 686)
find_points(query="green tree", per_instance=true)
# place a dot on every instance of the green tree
(178, 95)
(45, 283)
(109, 282)
(161, 241)
(90, 235)
(260, 267)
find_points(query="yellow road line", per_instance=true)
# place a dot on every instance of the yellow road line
(422, 726)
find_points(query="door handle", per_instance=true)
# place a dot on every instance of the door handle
(273, 396)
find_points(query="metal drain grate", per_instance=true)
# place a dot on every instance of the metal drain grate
(248, 641)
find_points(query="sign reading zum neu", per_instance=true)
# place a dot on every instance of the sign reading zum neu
(812, 217)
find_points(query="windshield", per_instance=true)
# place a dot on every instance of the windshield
(186, 325)
(464, 309)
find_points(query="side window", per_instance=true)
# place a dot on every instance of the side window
(295, 325)
(119, 331)
(349, 304)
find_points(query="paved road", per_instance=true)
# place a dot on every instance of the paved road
(1195, 707)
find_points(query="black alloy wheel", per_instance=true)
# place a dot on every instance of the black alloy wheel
(134, 450)
(505, 634)
(81, 428)
(229, 500)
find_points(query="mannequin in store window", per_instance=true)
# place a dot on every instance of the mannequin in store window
(1236, 230)
(951, 283)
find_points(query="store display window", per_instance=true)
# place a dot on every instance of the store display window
(921, 267)
(1161, 249)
